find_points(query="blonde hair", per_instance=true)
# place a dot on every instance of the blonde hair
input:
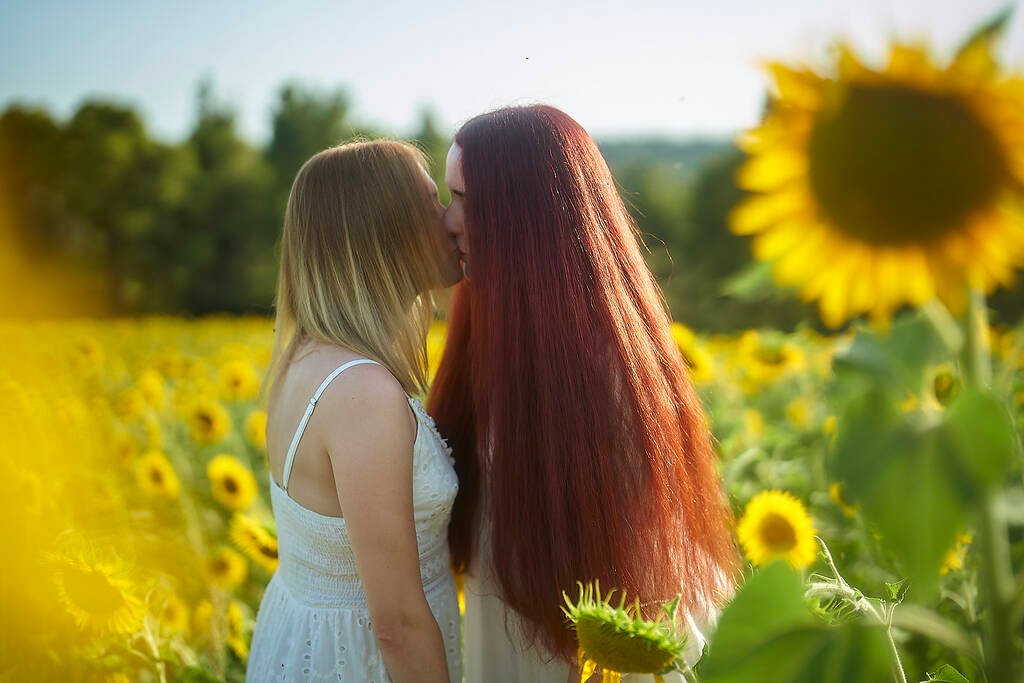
(359, 255)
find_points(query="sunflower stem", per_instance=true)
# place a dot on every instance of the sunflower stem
(944, 324)
(976, 356)
(1002, 662)
(158, 661)
(860, 602)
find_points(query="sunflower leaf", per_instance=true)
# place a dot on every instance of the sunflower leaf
(895, 362)
(768, 630)
(892, 463)
(947, 674)
(982, 438)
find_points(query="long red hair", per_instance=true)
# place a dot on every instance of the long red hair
(562, 392)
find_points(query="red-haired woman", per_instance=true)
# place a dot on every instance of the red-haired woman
(581, 448)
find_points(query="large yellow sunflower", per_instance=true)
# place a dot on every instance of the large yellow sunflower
(879, 187)
(96, 593)
(775, 525)
(231, 482)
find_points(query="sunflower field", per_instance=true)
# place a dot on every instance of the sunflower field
(143, 538)
(875, 472)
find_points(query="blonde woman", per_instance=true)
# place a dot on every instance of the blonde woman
(361, 483)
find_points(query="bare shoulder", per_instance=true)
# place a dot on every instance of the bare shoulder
(365, 400)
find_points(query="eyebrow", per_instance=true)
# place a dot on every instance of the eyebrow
(460, 193)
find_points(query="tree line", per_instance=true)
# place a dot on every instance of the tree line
(190, 228)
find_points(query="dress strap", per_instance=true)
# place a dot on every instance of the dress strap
(309, 412)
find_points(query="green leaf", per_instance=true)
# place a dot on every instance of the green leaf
(907, 481)
(982, 439)
(753, 283)
(897, 591)
(947, 674)
(896, 361)
(768, 630)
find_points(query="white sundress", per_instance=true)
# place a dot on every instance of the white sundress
(313, 623)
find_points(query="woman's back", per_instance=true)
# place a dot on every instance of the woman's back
(313, 621)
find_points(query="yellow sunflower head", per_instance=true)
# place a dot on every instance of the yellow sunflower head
(436, 338)
(153, 431)
(753, 425)
(123, 447)
(775, 525)
(129, 404)
(945, 384)
(954, 559)
(255, 540)
(835, 492)
(202, 617)
(256, 429)
(231, 482)
(237, 626)
(766, 356)
(698, 359)
(878, 187)
(174, 614)
(799, 412)
(96, 593)
(208, 422)
(87, 358)
(238, 380)
(226, 568)
(152, 388)
(156, 476)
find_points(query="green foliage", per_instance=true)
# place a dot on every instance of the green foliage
(191, 227)
(769, 633)
(939, 464)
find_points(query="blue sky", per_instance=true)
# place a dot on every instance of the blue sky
(681, 67)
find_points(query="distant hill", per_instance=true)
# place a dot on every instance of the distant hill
(683, 157)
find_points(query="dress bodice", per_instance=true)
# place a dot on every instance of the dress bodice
(316, 562)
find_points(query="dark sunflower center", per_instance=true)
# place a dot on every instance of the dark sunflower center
(219, 566)
(156, 476)
(230, 485)
(777, 533)
(893, 165)
(205, 421)
(92, 592)
(770, 356)
(946, 388)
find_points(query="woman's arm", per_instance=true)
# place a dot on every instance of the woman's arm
(369, 441)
